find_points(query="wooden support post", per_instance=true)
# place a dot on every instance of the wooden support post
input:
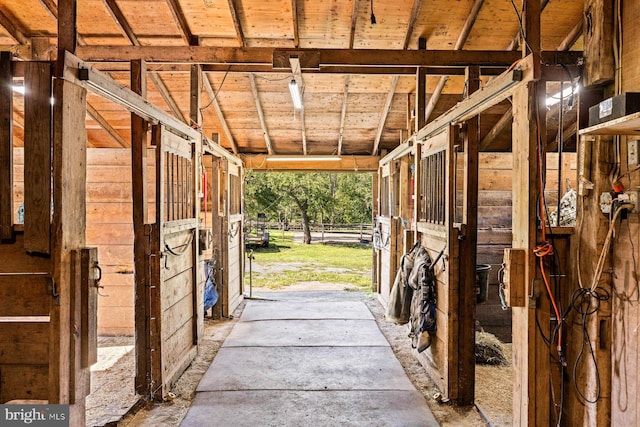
(6, 148)
(530, 389)
(599, 65)
(69, 224)
(139, 131)
(198, 286)
(532, 43)
(37, 157)
(468, 251)
(67, 35)
(594, 227)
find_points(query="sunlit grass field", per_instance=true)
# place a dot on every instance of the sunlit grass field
(286, 263)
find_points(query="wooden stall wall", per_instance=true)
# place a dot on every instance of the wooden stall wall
(110, 229)
(625, 363)
(387, 231)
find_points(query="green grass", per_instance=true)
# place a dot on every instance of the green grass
(311, 263)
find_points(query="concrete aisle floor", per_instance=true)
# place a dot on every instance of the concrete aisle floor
(302, 362)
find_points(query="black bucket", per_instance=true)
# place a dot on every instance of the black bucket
(482, 282)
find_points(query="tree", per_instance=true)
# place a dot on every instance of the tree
(340, 198)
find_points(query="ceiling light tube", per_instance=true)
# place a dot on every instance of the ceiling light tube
(296, 97)
(303, 158)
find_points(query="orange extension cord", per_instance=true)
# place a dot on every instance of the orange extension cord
(545, 248)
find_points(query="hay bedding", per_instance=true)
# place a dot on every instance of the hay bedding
(489, 350)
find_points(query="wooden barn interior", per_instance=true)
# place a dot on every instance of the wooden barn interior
(128, 126)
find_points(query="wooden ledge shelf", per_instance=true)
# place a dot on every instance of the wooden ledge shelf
(626, 125)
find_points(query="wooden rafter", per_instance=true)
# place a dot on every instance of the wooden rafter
(354, 21)
(216, 106)
(394, 82)
(383, 115)
(294, 13)
(126, 29)
(181, 21)
(236, 22)
(8, 24)
(343, 114)
(500, 125)
(462, 39)
(51, 7)
(297, 75)
(263, 123)
(105, 125)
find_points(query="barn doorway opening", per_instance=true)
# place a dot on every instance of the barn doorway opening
(308, 231)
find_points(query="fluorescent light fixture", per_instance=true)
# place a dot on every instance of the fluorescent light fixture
(565, 93)
(18, 88)
(303, 158)
(296, 97)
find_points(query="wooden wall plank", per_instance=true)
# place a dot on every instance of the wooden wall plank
(30, 290)
(24, 343)
(37, 159)
(6, 148)
(27, 382)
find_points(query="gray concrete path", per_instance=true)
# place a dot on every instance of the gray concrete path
(304, 362)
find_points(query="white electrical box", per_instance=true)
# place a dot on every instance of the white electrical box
(632, 152)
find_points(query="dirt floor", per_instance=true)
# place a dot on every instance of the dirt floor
(112, 382)
(493, 389)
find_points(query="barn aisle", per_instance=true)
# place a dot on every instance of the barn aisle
(300, 361)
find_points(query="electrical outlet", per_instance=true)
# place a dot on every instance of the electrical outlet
(632, 152)
(633, 197)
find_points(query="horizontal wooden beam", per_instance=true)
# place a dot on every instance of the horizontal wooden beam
(268, 68)
(262, 162)
(313, 58)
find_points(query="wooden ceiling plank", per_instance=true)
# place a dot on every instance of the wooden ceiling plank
(343, 114)
(383, 116)
(263, 123)
(7, 22)
(236, 22)
(181, 21)
(572, 37)
(462, 39)
(51, 7)
(216, 106)
(106, 125)
(296, 33)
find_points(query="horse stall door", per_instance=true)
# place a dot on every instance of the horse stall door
(436, 215)
(173, 290)
(235, 252)
(384, 242)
